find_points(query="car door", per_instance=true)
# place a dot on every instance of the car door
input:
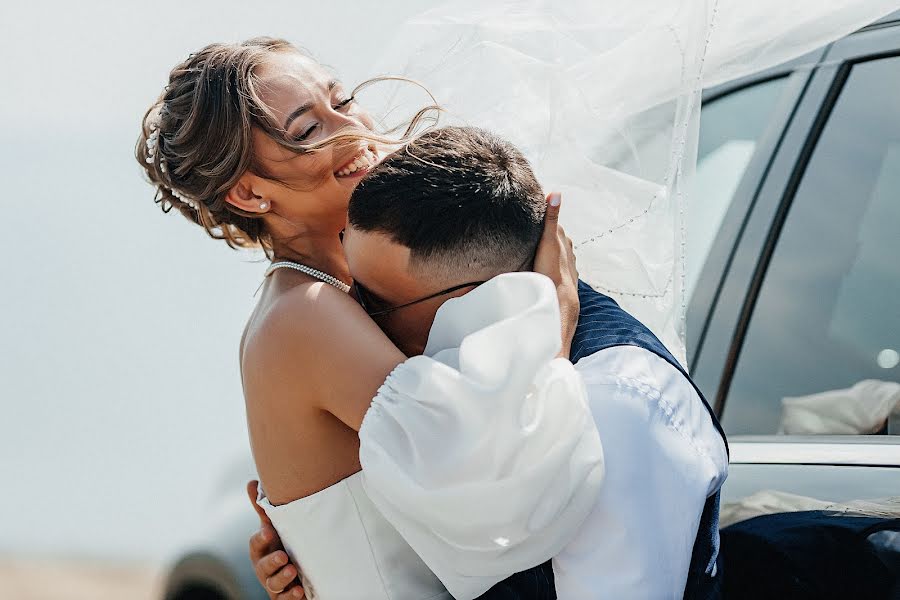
(802, 289)
(742, 126)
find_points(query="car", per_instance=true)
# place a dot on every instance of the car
(793, 280)
(799, 292)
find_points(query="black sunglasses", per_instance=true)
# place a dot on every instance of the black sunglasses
(370, 301)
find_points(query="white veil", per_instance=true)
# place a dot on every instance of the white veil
(603, 96)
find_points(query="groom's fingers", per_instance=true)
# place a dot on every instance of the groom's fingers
(253, 494)
(270, 562)
(280, 573)
(265, 558)
(284, 582)
(278, 576)
(260, 543)
(295, 593)
(263, 543)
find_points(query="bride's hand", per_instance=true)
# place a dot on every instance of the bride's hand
(270, 562)
(555, 258)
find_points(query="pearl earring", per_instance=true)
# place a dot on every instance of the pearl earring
(263, 206)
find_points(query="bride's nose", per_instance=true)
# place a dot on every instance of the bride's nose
(338, 120)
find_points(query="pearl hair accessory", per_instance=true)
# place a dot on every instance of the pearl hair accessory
(152, 144)
(152, 141)
(192, 204)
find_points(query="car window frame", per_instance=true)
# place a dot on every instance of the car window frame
(709, 282)
(741, 281)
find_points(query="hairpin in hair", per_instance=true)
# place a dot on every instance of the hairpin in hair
(152, 142)
(192, 204)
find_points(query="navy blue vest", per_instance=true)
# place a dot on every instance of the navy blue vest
(812, 555)
(603, 324)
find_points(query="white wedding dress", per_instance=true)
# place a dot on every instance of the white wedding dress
(348, 550)
(482, 453)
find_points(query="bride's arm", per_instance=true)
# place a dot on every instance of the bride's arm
(484, 455)
(516, 424)
(308, 355)
(319, 340)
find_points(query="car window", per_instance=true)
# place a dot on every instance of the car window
(730, 128)
(822, 351)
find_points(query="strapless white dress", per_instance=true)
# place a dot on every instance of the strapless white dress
(480, 459)
(348, 550)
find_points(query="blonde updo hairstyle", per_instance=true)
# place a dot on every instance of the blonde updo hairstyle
(196, 139)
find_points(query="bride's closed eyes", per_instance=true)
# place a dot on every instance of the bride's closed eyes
(343, 105)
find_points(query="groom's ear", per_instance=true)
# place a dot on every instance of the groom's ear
(242, 196)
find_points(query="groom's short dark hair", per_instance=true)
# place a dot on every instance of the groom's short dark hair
(458, 197)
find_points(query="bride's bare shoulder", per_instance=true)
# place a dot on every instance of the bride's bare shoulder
(307, 342)
(297, 321)
(314, 328)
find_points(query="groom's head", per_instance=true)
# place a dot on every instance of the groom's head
(458, 205)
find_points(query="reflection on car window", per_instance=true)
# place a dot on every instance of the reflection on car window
(822, 353)
(730, 128)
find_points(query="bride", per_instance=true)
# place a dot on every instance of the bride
(249, 141)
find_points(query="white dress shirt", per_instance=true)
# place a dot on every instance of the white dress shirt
(663, 457)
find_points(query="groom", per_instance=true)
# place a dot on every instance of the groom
(460, 204)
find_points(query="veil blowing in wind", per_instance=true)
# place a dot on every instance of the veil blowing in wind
(604, 99)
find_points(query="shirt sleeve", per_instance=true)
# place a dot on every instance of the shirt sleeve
(663, 457)
(484, 456)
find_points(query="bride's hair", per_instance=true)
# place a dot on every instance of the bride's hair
(196, 139)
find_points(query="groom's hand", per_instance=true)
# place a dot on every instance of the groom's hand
(270, 562)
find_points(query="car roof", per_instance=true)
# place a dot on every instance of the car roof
(894, 16)
(810, 59)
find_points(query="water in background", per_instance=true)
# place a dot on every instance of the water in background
(119, 325)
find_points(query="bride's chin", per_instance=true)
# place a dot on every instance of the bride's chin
(351, 181)
(342, 204)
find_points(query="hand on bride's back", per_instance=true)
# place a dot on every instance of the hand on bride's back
(271, 563)
(555, 258)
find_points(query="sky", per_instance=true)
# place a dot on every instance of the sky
(121, 403)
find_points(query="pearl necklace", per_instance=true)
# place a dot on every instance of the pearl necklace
(325, 277)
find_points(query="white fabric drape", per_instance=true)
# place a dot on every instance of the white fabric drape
(859, 410)
(604, 97)
(483, 453)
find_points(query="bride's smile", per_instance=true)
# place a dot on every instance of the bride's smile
(359, 165)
